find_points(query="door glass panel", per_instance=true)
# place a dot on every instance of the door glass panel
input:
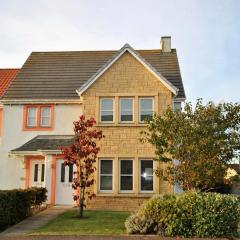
(43, 173)
(70, 177)
(35, 172)
(62, 172)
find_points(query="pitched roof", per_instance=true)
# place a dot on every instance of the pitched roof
(45, 142)
(112, 60)
(57, 75)
(6, 76)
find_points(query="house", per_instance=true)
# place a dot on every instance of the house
(119, 89)
(6, 76)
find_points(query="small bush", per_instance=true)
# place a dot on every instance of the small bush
(189, 214)
(15, 204)
(137, 225)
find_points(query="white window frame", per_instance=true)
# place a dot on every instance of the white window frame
(140, 175)
(41, 117)
(139, 104)
(112, 175)
(100, 109)
(126, 175)
(36, 121)
(120, 108)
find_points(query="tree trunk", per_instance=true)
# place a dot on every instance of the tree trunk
(81, 203)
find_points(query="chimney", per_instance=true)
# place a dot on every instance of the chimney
(165, 44)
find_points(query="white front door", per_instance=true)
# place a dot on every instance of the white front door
(64, 178)
(37, 173)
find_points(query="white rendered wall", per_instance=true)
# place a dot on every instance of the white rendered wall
(12, 172)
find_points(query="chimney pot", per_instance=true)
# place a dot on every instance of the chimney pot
(165, 44)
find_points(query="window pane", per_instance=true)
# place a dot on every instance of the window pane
(126, 117)
(146, 115)
(107, 104)
(45, 116)
(106, 167)
(146, 104)
(106, 107)
(126, 109)
(126, 183)
(147, 167)
(146, 175)
(127, 167)
(45, 121)
(106, 183)
(147, 183)
(177, 106)
(45, 111)
(31, 116)
(35, 172)
(106, 116)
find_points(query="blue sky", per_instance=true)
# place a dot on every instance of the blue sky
(206, 34)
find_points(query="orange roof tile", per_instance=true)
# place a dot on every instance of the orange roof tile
(6, 76)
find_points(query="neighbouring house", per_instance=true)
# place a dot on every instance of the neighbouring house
(119, 89)
(234, 171)
(6, 76)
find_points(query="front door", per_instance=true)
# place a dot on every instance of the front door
(64, 178)
(37, 173)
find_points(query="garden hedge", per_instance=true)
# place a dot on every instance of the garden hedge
(15, 204)
(190, 214)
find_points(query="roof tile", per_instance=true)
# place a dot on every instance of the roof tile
(57, 75)
(6, 76)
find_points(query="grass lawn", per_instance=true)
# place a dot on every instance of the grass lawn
(94, 222)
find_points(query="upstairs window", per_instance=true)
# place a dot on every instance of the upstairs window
(106, 110)
(126, 109)
(177, 106)
(38, 117)
(145, 109)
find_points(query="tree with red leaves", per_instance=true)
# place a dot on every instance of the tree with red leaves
(83, 154)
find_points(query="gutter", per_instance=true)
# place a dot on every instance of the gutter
(35, 153)
(41, 101)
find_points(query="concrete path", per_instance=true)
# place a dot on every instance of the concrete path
(100, 237)
(89, 237)
(28, 225)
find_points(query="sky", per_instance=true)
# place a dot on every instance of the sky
(206, 34)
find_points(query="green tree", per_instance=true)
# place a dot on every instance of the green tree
(197, 144)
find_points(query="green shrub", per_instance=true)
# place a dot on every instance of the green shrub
(15, 204)
(191, 214)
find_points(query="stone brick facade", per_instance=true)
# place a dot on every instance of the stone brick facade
(127, 77)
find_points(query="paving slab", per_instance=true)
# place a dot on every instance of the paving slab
(31, 223)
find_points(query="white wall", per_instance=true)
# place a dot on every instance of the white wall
(12, 173)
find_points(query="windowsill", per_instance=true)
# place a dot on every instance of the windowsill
(37, 128)
(121, 125)
(130, 194)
